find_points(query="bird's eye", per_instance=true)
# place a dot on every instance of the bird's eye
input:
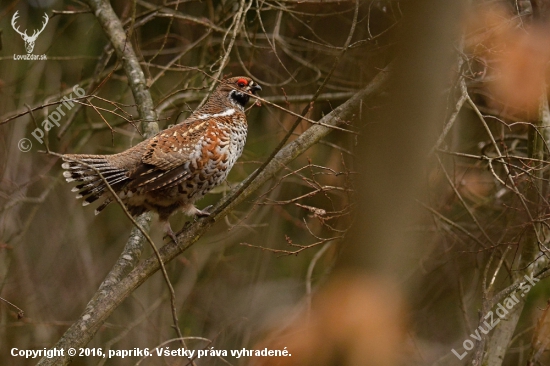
(242, 83)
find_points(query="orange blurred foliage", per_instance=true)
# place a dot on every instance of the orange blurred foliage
(354, 320)
(515, 56)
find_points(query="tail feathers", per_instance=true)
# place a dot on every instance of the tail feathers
(103, 205)
(84, 169)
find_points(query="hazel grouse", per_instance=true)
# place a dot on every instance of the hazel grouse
(173, 169)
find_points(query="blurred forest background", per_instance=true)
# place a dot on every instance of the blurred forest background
(484, 222)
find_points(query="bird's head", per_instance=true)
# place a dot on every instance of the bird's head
(236, 89)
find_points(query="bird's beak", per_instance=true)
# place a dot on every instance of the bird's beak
(254, 88)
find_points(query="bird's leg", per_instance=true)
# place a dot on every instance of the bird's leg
(169, 232)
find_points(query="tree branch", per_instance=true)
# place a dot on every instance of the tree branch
(136, 79)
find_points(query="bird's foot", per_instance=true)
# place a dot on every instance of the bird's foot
(169, 232)
(205, 212)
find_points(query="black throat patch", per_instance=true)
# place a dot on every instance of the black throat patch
(239, 98)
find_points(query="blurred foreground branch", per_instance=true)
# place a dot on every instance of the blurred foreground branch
(358, 317)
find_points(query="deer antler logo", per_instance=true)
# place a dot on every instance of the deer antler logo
(29, 40)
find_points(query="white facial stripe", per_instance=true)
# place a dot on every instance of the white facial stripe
(228, 112)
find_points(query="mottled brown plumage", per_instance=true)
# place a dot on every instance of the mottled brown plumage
(176, 167)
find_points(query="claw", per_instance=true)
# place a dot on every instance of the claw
(204, 212)
(169, 232)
